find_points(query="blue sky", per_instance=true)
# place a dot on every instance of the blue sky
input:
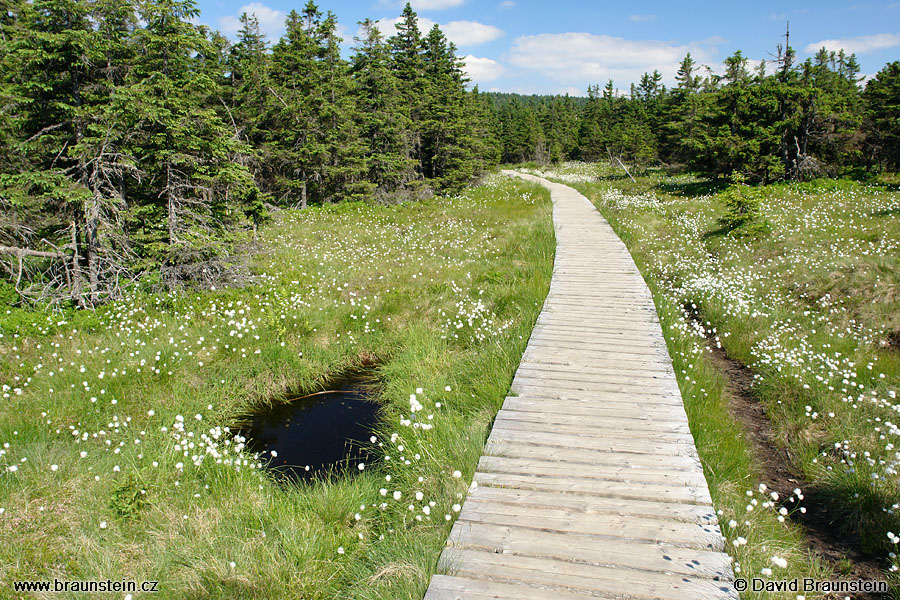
(531, 46)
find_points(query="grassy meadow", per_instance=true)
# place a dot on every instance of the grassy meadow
(805, 303)
(118, 460)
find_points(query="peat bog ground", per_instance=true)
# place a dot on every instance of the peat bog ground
(122, 456)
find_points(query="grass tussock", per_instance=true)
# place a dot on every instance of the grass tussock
(117, 457)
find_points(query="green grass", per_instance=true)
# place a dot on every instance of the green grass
(440, 295)
(811, 303)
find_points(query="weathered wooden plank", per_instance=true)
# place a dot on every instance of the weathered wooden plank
(589, 382)
(609, 356)
(654, 508)
(616, 553)
(607, 326)
(622, 444)
(633, 370)
(564, 576)
(589, 484)
(573, 484)
(599, 525)
(594, 428)
(583, 407)
(638, 422)
(575, 454)
(589, 346)
(665, 375)
(600, 472)
(445, 587)
(609, 396)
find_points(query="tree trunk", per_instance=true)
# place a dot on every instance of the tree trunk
(170, 207)
(77, 280)
(92, 247)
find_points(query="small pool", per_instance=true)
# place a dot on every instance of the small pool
(317, 434)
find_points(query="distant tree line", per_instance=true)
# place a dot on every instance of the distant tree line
(135, 143)
(785, 120)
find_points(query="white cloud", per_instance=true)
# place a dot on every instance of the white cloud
(541, 88)
(641, 18)
(387, 26)
(461, 33)
(507, 4)
(714, 40)
(436, 4)
(343, 32)
(271, 21)
(470, 33)
(482, 70)
(858, 45)
(581, 59)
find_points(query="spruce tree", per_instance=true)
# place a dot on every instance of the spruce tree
(48, 50)
(313, 140)
(447, 143)
(102, 161)
(293, 142)
(882, 100)
(383, 122)
(182, 144)
(484, 129)
(245, 99)
(344, 170)
(682, 124)
(408, 65)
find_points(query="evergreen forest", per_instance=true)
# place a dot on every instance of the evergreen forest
(139, 148)
(779, 120)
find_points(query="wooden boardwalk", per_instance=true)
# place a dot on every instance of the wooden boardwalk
(589, 485)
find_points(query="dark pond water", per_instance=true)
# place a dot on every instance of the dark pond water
(317, 434)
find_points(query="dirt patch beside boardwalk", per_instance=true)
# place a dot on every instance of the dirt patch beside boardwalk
(821, 533)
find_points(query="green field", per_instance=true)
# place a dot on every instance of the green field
(804, 306)
(117, 461)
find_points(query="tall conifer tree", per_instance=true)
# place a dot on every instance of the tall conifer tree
(384, 123)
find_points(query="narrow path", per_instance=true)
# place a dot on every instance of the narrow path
(589, 485)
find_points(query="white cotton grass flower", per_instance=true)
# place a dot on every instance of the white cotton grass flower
(779, 562)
